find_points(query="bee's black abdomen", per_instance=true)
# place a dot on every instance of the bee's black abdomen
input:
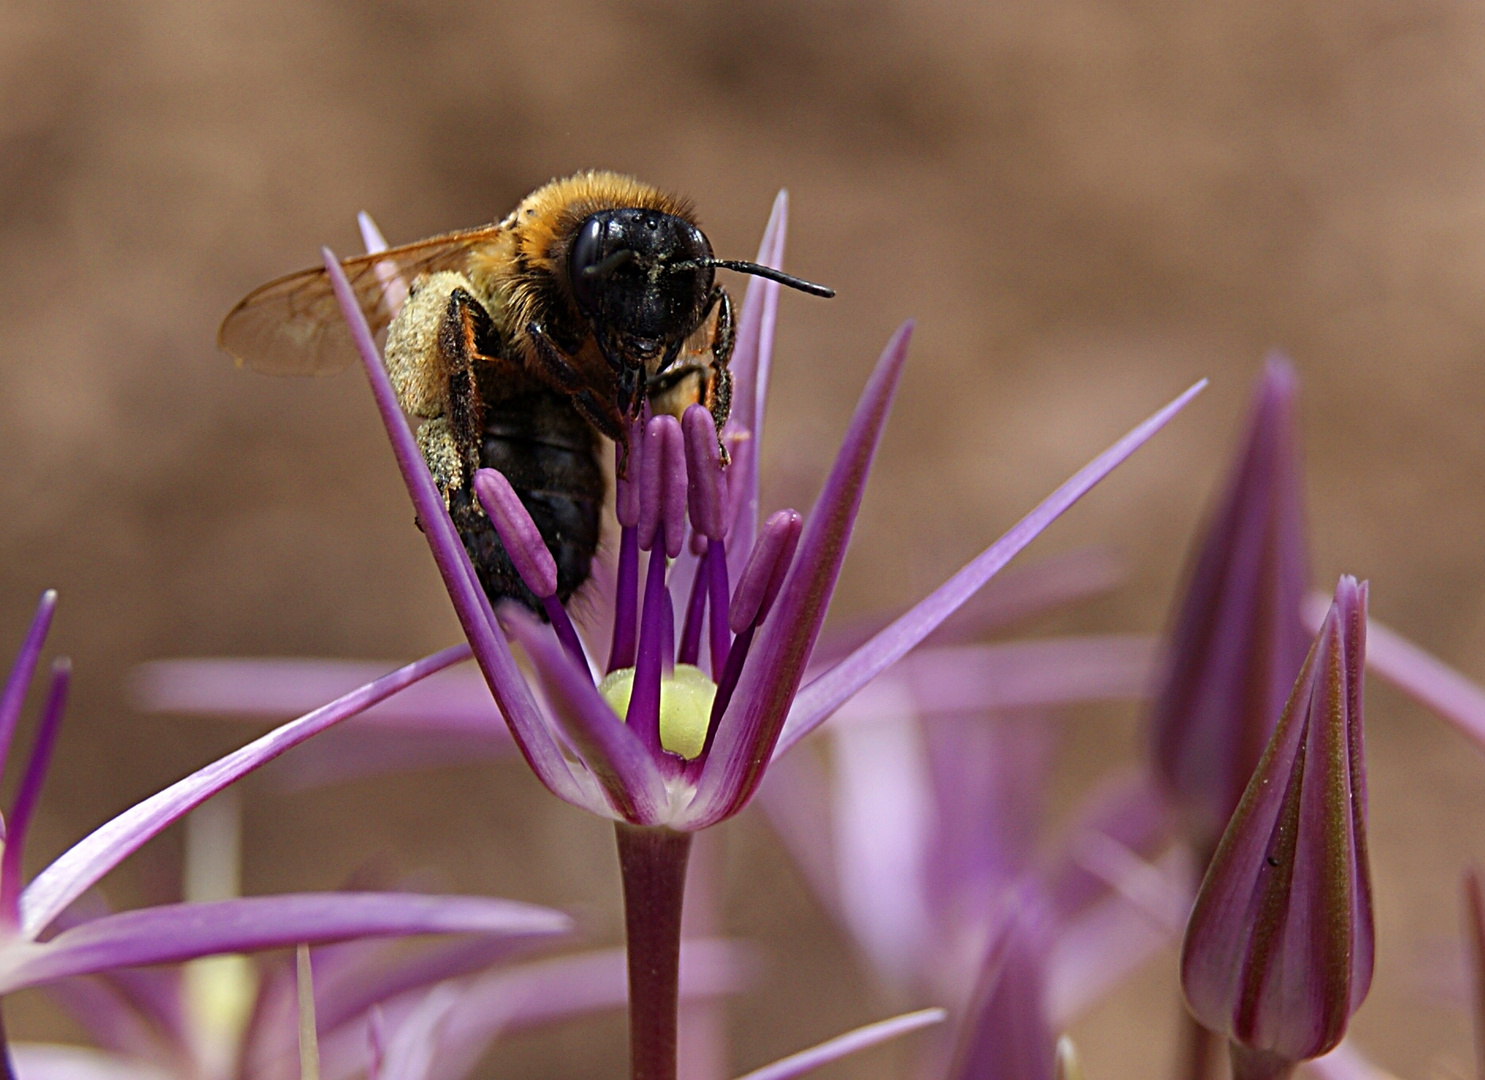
(550, 456)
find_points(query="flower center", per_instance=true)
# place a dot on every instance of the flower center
(685, 705)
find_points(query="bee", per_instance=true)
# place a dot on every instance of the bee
(521, 344)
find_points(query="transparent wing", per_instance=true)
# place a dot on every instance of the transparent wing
(293, 326)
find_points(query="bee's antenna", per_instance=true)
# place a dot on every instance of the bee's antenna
(758, 270)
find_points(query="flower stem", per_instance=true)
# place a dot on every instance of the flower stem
(1198, 1056)
(652, 862)
(1259, 1064)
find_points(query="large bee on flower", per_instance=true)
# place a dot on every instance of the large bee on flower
(519, 344)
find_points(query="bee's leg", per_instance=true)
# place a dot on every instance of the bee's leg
(465, 326)
(557, 367)
(441, 451)
(718, 391)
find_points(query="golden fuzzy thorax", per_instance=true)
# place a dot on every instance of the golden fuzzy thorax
(532, 246)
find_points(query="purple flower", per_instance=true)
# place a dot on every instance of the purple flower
(1278, 952)
(666, 746)
(1238, 640)
(756, 595)
(38, 945)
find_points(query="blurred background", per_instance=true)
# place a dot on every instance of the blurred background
(1086, 206)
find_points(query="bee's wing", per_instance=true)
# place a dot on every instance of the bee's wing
(293, 326)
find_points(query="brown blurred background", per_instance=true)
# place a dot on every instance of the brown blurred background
(1086, 205)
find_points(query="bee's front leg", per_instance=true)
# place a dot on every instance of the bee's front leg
(561, 371)
(718, 395)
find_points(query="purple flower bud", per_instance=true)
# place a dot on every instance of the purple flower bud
(1278, 952)
(766, 570)
(706, 490)
(1238, 640)
(518, 533)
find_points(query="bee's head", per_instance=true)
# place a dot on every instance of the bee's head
(642, 278)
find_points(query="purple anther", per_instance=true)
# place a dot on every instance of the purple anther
(628, 470)
(767, 567)
(651, 470)
(673, 505)
(518, 533)
(706, 483)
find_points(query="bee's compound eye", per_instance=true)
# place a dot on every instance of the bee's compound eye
(586, 253)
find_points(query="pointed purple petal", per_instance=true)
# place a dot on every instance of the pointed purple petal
(105, 847)
(751, 361)
(1417, 673)
(748, 730)
(537, 743)
(609, 747)
(844, 1045)
(19, 680)
(175, 932)
(30, 792)
(825, 694)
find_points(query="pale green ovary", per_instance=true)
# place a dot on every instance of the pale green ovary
(685, 706)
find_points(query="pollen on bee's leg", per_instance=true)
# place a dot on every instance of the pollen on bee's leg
(528, 553)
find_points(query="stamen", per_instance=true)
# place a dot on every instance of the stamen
(626, 586)
(528, 552)
(655, 483)
(643, 714)
(695, 617)
(626, 599)
(715, 569)
(706, 483)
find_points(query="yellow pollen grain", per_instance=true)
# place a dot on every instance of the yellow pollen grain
(685, 705)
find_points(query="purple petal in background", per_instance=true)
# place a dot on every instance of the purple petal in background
(843, 1045)
(48, 1061)
(108, 845)
(19, 680)
(456, 700)
(174, 932)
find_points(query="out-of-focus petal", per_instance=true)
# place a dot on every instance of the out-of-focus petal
(843, 1045)
(82, 865)
(455, 701)
(174, 932)
(950, 680)
(1416, 672)
(1004, 1034)
(1238, 640)
(53, 1061)
(883, 814)
(817, 701)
